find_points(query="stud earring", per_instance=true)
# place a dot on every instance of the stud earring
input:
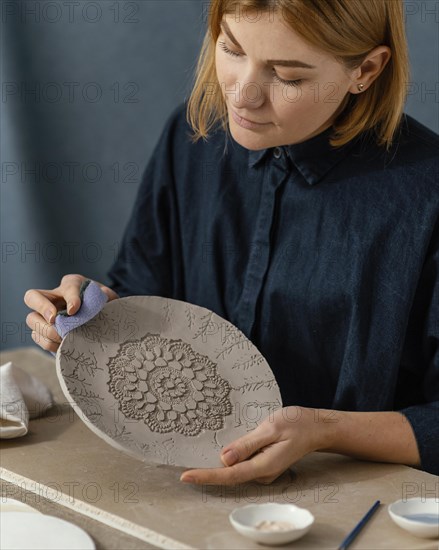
(360, 87)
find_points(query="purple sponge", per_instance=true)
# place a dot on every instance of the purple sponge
(93, 300)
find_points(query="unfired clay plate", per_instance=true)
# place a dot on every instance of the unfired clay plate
(165, 380)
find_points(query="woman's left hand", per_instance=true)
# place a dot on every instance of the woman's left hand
(265, 453)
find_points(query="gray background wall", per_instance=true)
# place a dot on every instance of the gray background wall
(86, 89)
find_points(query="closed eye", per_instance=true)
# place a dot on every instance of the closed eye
(276, 77)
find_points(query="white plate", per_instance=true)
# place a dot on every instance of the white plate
(419, 516)
(165, 380)
(246, 519)
(11, 505)
(40, 532)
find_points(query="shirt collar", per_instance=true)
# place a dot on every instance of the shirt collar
(313, 158)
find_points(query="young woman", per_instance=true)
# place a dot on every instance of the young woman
(293, 196)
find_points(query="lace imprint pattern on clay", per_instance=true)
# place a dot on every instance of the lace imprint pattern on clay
(169, 386)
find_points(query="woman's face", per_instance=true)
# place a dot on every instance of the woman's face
(250, 75)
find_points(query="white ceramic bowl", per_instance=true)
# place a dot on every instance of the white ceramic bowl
(246, 518)
(419, 516)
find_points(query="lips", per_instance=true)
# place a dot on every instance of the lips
(248, 120)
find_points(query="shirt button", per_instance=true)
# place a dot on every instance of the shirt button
(277, 153)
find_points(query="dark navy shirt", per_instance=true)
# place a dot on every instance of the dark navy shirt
(328, 260)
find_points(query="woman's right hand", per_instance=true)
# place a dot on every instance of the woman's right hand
(47, 303)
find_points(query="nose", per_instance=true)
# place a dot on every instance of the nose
(249, 91)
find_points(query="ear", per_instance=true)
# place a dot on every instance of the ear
(370, 68)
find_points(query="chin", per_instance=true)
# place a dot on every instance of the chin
(252, 143)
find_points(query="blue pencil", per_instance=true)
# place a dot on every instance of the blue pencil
(348, 540)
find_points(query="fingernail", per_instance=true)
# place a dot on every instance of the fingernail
(187, 479)
(69, 307)
(230, 457)
(48, 316)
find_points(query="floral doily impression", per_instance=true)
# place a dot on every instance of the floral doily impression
(168, 385)
(165, 380)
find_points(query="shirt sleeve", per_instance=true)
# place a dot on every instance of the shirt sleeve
(424, 417)
(148, 260)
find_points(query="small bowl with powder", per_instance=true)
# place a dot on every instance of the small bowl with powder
(271, 523)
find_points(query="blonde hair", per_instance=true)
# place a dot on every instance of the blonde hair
(346, 29)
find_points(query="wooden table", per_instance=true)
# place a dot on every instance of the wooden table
(64, 469)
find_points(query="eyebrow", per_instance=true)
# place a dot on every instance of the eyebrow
(280, 62)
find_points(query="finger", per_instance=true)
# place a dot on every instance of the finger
(39, 325)
(276, 459)
(44, 343)
(109, 292)
(247, 445)
(45, 302)
(70, 287)
(239, 473)
(263, 467)
(266, 480)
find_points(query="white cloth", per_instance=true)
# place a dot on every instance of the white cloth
(22, 396)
